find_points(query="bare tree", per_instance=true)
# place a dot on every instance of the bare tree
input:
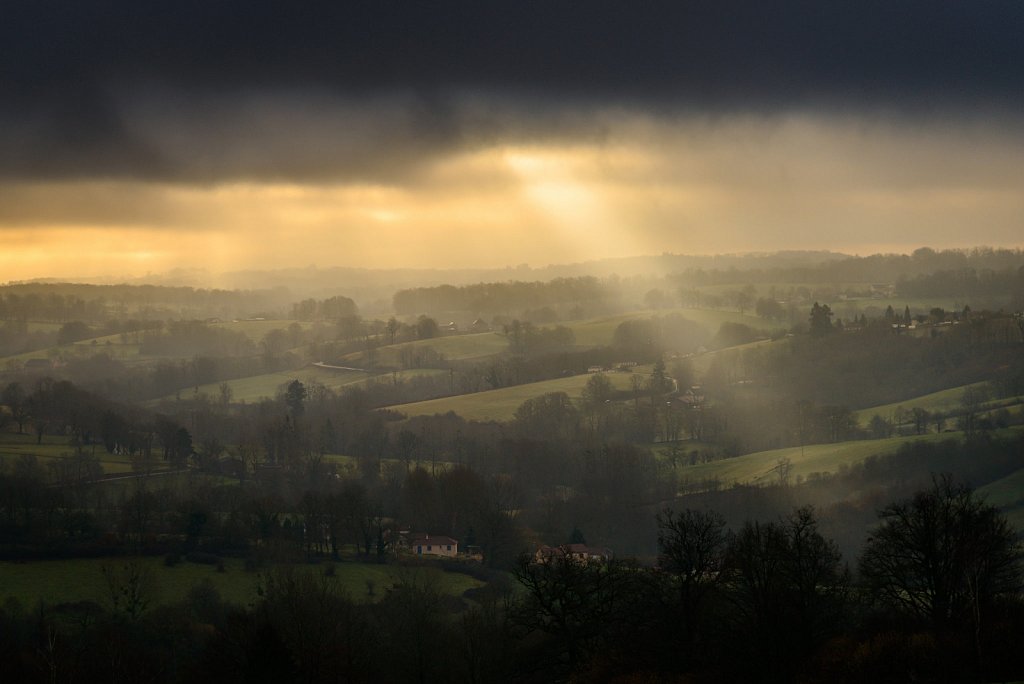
(943, 556)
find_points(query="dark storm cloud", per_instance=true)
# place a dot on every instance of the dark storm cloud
(203, 90)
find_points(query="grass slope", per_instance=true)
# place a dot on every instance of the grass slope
(14, 446)
(600, 331)
(762, 467)
(944, 401)
(254, 388)
(452, 347)
(79, 579)
(501, 404)
(1008, 495)
(593, 332)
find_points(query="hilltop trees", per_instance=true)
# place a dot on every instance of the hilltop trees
(504, 298)
(332, 308)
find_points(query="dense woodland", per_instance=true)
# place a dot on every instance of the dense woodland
(787, 578)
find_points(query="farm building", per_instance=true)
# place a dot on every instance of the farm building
(423, 544)
(576, 552)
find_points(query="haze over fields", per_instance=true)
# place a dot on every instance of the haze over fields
(524, 341)
(140, 138)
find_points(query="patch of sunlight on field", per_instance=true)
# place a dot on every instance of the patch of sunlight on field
(266, 386)
(701, 363)
(762, 467)
(944, 401)
(501, 404)
(597, 332)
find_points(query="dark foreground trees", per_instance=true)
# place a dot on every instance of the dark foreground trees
(691, 550)
(770, 601)
(579, 604)
(944, 557)
(788, 588)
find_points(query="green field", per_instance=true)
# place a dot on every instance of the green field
(594, 332)
(80, 579)
(601, 331)
(702, 362)
(1008, 495)
(255, 388)
(82, 349)
(13, 446)
(501, 404)
(452, 347)
(944, 401)
(762, 467)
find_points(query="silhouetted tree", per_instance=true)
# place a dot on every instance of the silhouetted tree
(943, 556)
(295, 397)
(17, 401)
(789, 587)
(691, 546)
(426, 328)
(821, 320)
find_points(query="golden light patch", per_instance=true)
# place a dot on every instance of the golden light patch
(648, 186)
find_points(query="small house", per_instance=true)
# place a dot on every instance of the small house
(423, 544)
(580, 553)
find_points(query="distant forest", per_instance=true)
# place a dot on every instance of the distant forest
(590, 287)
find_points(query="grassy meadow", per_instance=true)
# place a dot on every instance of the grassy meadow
(82, 579)
(597, 332)
(762, 467)
(451, 347)
(53, 448)
(255, 388)
(945, 401)
(501, 404)
(1008, 494)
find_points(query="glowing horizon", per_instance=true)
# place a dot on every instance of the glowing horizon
(648, 187)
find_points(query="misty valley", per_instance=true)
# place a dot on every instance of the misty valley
(790, 466)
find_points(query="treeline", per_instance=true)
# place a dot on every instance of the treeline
(555, 467)
(965, 282)
(195, 338)
(332, 308)
(774, 600)
(63, 302)
(557, 473)
(767, 600)
(872, 364)
(877, 268)
(575, 297)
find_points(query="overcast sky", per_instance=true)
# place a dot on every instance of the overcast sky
(142, 136)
